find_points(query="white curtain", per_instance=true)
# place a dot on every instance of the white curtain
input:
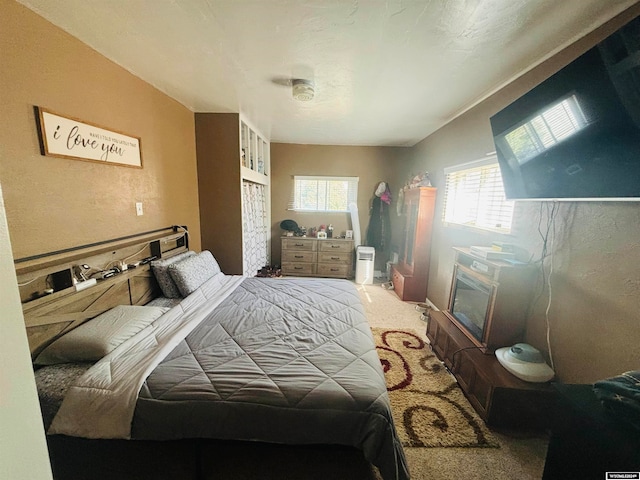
(254, 227)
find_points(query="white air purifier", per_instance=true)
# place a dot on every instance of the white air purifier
(365, 257)
(525, 362)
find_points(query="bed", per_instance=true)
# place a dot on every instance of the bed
(276, 360)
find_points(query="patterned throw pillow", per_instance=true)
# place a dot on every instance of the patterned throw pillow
(166, 283)
(189, 274)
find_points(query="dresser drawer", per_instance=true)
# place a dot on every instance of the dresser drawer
(335, 246)
(292, 268)
(307, 244)
(299, 256)
(335, 257)
(333, 270)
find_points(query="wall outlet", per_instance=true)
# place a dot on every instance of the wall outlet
(139, 210)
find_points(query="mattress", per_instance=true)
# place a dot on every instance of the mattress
(288, 361)
(53, 381)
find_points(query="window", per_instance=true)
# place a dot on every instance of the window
(323, 194)
(474, 196)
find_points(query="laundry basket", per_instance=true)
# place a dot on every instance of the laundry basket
(365, 257)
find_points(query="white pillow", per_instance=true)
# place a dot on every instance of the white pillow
(97, 337)
(192, 272)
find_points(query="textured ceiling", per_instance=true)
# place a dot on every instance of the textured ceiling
(386, 72)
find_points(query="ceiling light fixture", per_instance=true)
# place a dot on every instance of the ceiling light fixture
(302, 90)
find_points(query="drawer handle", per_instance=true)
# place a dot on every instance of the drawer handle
(335, 269)
(335, 258)
(335, 246)
(298, 268)
(299, 244)
(298, 256)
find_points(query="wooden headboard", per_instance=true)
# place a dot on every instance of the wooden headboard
(53, 301)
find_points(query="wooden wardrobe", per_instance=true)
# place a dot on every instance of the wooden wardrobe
(410, 275)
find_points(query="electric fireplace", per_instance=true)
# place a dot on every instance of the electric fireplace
(489, 299)
(470, 302)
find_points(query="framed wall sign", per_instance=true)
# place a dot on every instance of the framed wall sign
(67, 137)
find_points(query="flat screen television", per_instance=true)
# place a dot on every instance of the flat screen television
(576, 136)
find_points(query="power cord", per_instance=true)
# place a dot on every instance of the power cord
(548, 236)
(546, 313)
(47, 281)
(28, 282)
(453, 357)
(137, 253)
(175, 227)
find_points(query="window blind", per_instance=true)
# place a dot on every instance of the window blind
(323, 194)
(474, 196)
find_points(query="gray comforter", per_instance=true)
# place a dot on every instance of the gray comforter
(280, 360)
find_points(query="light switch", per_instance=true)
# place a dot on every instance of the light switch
(139, 209)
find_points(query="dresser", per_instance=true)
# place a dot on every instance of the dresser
(302, 256)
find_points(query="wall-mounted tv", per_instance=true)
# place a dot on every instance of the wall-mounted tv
(576, 136)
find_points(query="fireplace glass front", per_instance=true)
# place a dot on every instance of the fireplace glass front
(470, 303)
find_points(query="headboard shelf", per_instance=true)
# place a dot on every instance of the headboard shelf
(54, 261)
(58, 299)
(49, 315)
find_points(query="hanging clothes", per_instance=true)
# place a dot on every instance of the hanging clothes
(255, 254)
(379, 231)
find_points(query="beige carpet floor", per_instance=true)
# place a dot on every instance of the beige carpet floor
(519, 456)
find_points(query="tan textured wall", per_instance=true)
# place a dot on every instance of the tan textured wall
(371, 164)
(55, 203)
(595, 283)
(219, 184)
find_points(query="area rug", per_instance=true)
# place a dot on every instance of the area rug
(428, 407)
